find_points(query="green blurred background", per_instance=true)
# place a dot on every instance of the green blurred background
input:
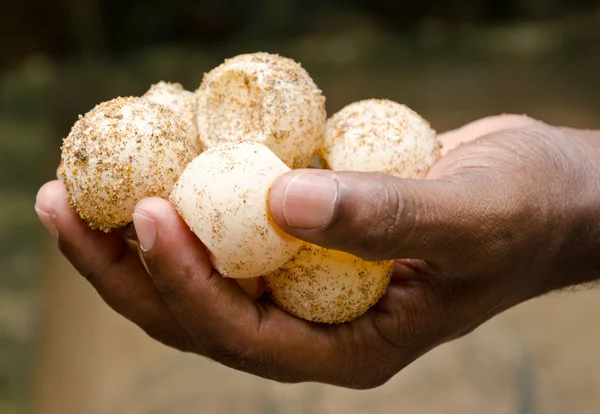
(453, 61)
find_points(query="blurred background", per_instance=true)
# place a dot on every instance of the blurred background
(62, 351)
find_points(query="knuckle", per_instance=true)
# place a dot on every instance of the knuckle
(169, 293)
(374, 214)
(383, 221)
(236, 356)
(87, 272)
(90, 276)
(396, 213)
(91, 268)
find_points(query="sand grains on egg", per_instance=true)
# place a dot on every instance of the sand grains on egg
(380, 135)
(328, 286)
(267, 98)
(181, 102)
(120, 152)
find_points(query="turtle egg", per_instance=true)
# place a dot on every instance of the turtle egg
(266, 98)
(380, 135)
(328, 286)
(181, 102)
(222, 196)
(122, 151)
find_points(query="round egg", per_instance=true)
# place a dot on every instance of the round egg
(328, 286)
(122, 151)
(266, 98)
(181, 102)
(222, 196)
(380, 135)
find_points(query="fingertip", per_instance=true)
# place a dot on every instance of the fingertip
(51, 197)
(155, 215)
(156, 208)
(54, 210)
(304, 200)
(165, 238)
(46, 204)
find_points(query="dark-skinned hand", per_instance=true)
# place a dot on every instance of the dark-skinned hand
(510, 213)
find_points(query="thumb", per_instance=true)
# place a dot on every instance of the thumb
(374, 215)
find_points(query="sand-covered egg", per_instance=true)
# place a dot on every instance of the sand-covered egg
(122, 151)
(222, 196)
(380, 135)
(181, 102)
(267, 98)
(328, 286)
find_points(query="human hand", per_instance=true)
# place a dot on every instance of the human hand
(506, 217)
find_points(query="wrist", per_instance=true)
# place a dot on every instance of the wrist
(578, 258)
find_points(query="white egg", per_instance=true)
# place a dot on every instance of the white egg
(266, 98)
(380, 135)
(328, 286)
(122, 151)
(181, 102)
(222, 196)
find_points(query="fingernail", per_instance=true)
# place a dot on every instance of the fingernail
(47, 220)
(309, 201)
(145, 229)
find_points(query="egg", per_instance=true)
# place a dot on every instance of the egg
(380, 135)
(181, 102)
(122, 151)
(267, 98)
(327, 286)
(222, 196)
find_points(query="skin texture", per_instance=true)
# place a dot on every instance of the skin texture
(509, 215)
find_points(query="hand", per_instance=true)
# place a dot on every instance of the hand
(509, 215)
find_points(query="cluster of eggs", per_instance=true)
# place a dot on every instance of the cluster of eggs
(214, 153)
